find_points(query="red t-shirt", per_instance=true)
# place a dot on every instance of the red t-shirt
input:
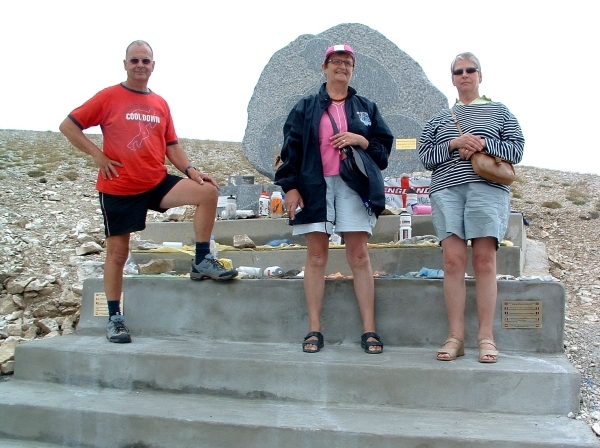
(137, 128)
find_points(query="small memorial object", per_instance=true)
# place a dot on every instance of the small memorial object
(411, 200)
(243, 242)
(231, 207)
(250, 271)
(405, 231)
(276, 205)
(273, 271)
(263, 204)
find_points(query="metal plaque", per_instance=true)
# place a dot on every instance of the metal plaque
(522, 314)
(406, 143)
(100, 305)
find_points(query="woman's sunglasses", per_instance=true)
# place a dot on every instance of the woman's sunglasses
(459, 71)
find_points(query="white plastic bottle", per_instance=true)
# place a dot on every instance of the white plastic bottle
(251, 271)
(411, 200)
(335, 239)
(214, 249)
(231, 207)
(263, 204)
(276, 204)
(405, 231)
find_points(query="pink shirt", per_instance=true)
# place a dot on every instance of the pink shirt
(330, 155)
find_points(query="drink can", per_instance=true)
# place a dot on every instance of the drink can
(273, 271)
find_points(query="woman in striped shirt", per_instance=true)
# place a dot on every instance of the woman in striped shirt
(465, 206)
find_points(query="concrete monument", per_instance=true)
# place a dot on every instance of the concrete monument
(384, 74)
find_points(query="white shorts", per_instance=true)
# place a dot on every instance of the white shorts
(345, 210)
(471, 210)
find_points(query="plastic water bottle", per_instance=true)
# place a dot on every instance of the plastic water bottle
(335, 239)
(405, 231)
(263, 204)
(231, 207)
(131, 267)
(250, 271)
(214, 249)
(276, 204)
(411, 200)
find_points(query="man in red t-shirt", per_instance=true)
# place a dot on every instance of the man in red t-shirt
(138, 133)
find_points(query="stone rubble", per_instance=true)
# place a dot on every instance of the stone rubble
(52, 238)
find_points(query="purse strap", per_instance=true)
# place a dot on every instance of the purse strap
(335, 128)
(497, 159)
(349, 151)
(345, 149)
(456, 121)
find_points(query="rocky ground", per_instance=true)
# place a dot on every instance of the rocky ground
(48, 210)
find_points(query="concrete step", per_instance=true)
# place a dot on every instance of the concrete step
(390, 260)
(16, 443)
(396, 261)
(410, 312)
(109, 418)
(263, 230)
(521, 383)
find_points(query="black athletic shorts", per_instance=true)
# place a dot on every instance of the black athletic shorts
(126, 214)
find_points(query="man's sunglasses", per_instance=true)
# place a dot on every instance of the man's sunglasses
(136, 61)
(470, 70)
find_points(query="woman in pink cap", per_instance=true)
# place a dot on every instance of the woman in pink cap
(316, 130)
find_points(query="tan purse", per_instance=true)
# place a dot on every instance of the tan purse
(490, 167)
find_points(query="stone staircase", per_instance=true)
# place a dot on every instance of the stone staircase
(220, 365)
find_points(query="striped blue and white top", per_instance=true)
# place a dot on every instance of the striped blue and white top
(492, 120)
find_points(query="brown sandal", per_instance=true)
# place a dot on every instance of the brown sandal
(452, 353)
(493, 354)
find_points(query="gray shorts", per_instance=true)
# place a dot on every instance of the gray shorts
(471, 210)
(345, 210)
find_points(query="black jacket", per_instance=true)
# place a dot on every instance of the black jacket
(302, 167)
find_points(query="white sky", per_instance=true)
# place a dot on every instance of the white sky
(541, 59)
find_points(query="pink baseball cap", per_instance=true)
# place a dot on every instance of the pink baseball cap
(339, 49)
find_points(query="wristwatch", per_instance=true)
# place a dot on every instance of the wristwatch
(188, 168)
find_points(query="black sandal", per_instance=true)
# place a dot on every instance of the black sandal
(366, 345)
(317, 343)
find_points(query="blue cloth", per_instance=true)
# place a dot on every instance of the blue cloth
(276, 243)
(431, 273)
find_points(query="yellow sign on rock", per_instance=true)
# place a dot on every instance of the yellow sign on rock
(406, 143)
(522, 314)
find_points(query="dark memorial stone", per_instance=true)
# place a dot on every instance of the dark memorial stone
(383, 74)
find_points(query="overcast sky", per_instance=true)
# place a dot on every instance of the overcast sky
(541, 59)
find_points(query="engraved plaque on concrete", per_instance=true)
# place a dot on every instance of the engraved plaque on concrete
(100, 305)
(522, 314)
(383, 74)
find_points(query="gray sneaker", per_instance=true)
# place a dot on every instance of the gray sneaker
(116, 331)
(211, 268)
